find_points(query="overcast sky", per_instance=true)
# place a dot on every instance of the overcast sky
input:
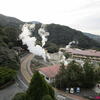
(83, 15)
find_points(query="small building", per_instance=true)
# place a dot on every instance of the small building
(49, 73)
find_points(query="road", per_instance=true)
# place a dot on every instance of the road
(9, 92)
(25, 68)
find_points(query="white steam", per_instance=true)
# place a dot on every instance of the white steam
(43, 34)
(61, 54)
(62, 58)
(26, 38)
(69, 45)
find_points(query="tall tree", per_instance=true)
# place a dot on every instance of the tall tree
(39, 88)
(47, 97)
(61, 78)
(89, 77)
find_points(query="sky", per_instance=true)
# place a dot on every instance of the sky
(82, 15)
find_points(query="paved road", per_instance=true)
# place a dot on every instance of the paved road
(9, 92)
(25, 68)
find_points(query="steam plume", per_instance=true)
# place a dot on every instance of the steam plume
(62, 58)
(69, 45)
(26, 38)
(43, 34)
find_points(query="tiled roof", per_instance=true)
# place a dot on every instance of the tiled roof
(50, 71)
(84, 52)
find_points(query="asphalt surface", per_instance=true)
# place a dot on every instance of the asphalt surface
(9, 92)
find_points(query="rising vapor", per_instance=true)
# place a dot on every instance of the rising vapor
(26, 38)
(43, 34)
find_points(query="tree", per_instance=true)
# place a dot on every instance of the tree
(38, 89)
(51, 92)
(67, 55)
(74, 74)
(38, 86)
(98, 73)
(89, 75)
(61, 78)
(8, 58)
(47, 97)
(52, 48)
(6, 75)
(20, 96)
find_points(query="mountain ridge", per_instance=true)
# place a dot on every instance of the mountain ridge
(93, 36)
(59, 34)
(11, 21)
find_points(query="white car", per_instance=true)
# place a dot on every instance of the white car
(72, 90)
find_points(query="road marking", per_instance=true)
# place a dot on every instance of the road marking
(22, 82)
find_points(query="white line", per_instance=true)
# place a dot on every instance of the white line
(22, 82)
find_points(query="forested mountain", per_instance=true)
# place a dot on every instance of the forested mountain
(62, 35)
(92, 36)
(9, 21)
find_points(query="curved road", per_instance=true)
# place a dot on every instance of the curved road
(25, 67)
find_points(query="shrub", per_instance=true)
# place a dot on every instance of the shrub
(20, 96)
(67, 55)
(6, 75)
(52, 48)
(47, 97)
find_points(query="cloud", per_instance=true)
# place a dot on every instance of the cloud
(79, 14)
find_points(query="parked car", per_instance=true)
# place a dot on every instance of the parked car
(67, 89)
(72, 90)
(78, 90)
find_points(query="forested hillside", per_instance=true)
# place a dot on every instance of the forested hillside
(9, 31)
(62, 35)
(8, 40)
(94, 37)
(9, 21)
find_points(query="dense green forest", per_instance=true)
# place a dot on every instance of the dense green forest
(8, 40)
(6, 75)
(9, 60)
(92, 36)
